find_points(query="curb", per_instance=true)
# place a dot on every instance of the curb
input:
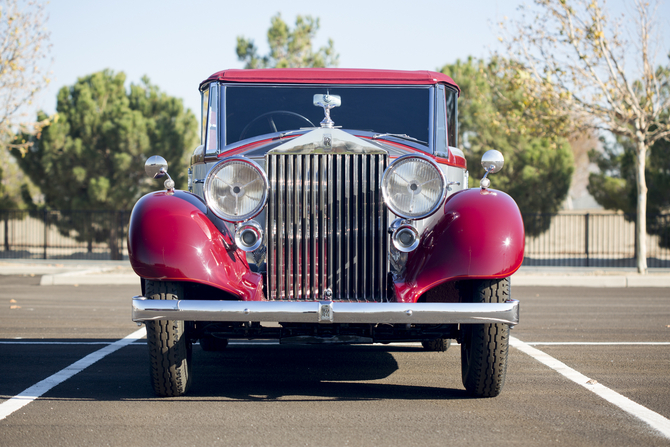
(523, 280)
(77, 278)
(603, 281)
(121, 273)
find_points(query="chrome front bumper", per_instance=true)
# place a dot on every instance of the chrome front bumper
(325, 312)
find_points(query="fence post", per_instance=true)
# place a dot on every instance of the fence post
(113, 234)
(586, 237)
(46, 227)
(6, 219)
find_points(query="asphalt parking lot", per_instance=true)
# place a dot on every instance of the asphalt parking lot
(616, 339)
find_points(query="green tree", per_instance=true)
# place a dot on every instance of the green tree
(614, 187)
(24, 48)
(289, 48)
(574, 49)
(91, 156)
(498, 110)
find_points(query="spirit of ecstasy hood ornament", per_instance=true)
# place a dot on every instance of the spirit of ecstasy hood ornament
(328, 102)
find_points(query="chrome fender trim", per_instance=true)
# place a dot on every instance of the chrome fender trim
(326, 312)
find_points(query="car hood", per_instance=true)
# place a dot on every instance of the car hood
(329, 141)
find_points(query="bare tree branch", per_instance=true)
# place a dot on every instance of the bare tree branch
(575, 52)
(24, 47)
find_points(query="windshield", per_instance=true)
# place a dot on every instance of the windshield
(261, 109)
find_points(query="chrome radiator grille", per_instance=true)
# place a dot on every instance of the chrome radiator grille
(326, 227)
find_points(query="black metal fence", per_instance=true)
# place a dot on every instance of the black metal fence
(579, 240)
(64, 234)
(595, 240)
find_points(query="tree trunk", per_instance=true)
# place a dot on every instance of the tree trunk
(641, 233)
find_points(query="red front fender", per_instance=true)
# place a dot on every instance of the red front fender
(478, 234)
(171, 239)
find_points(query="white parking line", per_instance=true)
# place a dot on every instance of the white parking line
(598, 343)
(655, 420)
(65, 343)
(407, 344)
(20, 400)
(652, 418)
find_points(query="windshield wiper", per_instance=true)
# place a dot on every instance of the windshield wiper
(402, 136)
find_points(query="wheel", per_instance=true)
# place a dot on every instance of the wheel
(169, 346)
(211, 344)
(484, 347)
(271, 122)
(437, 345)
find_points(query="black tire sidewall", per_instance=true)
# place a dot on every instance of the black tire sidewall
(170, 348)
(484, 347)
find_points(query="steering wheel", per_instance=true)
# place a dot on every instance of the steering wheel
(271, 122)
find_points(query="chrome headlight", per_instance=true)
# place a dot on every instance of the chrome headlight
(236, 189)
(414, 187)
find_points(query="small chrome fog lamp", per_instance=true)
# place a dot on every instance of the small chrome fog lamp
(248, 236)
(404, 236)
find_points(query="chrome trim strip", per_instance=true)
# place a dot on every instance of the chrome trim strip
(356, 241)
(364, 219)
(212, 109)
(281, 231)
(323, 235)
(290, 241)
(431, 119)
(330, 233)
(307, 238)
(223, 134)
(316, 281)
(383, 234)
(272, 231)
(297, 222)
(309, 312)
(339, 218)
(373, 237)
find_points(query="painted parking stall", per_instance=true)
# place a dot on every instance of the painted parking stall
(390, 393)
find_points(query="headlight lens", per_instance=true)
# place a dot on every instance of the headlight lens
(414, 187)
(236, 189)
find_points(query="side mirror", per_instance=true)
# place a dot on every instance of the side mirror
(492, 162)
(156, 166)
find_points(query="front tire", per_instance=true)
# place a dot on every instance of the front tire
(484, 347)
(169, 346)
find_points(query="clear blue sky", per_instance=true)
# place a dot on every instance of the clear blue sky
(178, 44)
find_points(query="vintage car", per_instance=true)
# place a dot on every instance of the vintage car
(327, 206)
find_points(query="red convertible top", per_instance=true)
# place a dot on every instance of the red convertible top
(332, 76)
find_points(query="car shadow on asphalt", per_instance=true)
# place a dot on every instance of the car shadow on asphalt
(258, 373)
(305, 373)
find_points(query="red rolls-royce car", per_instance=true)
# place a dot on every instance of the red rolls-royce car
(327, 206)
